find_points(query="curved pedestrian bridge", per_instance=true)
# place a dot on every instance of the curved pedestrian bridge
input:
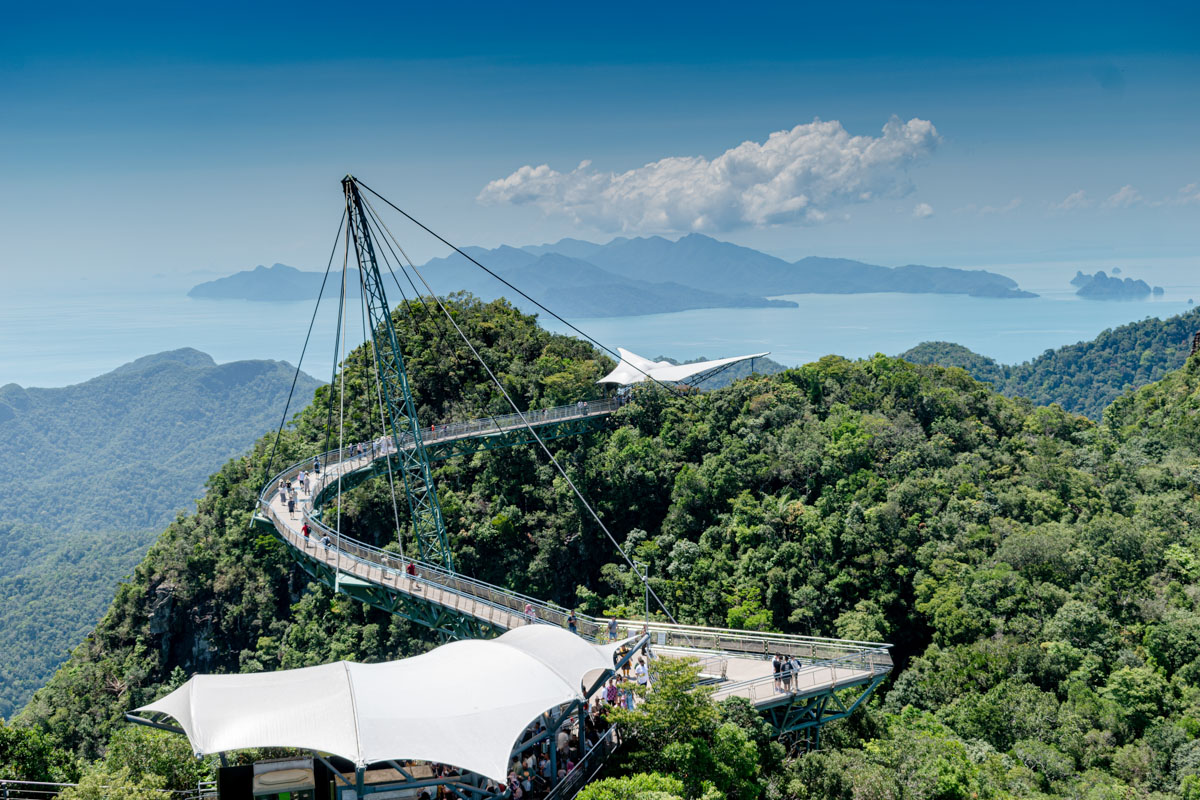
(736, 663)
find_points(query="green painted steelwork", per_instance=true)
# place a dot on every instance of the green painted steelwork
(439, 450)
(425, 511)
(801, 712)
(434, 616)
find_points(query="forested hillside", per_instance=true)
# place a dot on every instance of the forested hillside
(1037, 572)
(1083, 377)
(90, 473)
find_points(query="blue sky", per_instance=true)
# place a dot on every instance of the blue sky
(139, 140)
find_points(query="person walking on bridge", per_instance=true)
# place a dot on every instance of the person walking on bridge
(411, 571)
(572, 623)
(612, 629)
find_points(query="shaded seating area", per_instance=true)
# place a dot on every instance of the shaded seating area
(468, 718)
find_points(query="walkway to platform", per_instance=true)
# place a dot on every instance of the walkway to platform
(737, 663)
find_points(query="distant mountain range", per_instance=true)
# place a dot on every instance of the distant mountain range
(629, 277)
(89, 473)
(1085, 377)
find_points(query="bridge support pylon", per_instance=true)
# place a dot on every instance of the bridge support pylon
(800, 717)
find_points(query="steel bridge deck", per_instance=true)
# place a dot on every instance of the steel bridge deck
(737, 662)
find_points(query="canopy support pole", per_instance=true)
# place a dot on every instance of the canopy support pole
(337, 773)
(149, 723)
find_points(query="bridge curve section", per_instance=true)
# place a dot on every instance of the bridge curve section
(737, 663)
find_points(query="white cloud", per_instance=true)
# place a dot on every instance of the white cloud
(1011, 205)
(1074, 200)
(1124, 197)
(983, 211)
(922, 211)
(1188, 194)
(795, 177)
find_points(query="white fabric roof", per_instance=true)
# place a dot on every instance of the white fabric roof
(464, 703)
(634, 368)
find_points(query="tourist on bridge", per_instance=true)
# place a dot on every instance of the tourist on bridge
(610, 692)
(302, 479)
(316, 465)
(326, 541)
(304, 530)
(641, 674)
(612, 629)
(794, 664)
(563, 744)
(786, 673)
(777, 668)
(572, 623)
(291, 501)
(624, 667)
(531, 613)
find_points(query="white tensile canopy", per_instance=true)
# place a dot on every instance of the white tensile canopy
(464, 703)
(634, 368)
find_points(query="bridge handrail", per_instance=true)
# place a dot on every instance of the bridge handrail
(877, 662)
(499, 424)
(761, 644)
(591, 762)
(716, 640)
(19, 789)
(427, 573)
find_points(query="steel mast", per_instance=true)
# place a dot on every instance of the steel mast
(426, 513)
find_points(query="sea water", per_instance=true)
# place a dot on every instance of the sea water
(54, 339)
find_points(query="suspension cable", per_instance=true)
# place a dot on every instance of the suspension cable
(373, 372)
(459, 250)
(526, 423)
(435, 320)
(296, 376)
(341, 407)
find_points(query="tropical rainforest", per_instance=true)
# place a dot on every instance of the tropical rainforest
(1083, 378)
(1036, 571)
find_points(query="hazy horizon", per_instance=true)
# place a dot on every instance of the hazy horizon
(142, 141)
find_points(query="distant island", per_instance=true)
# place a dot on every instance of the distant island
(278, 282)
(568, 285)
(1104, 287)
(630, 277)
